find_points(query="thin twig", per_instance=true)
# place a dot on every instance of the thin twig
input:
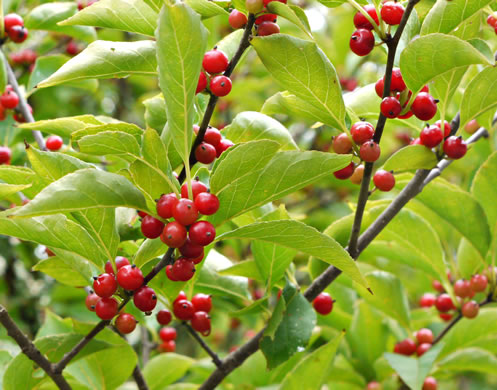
(139, 379)
(204, 345)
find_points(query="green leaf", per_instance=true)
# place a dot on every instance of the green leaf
(446, 16)
(244, 180)
(293, 14)
(206, 8)
(7, 190)
(47, 16)
(480, 95)
(127, 15)
(182, 44)
(107, 60)
(246, 268)
(63, 127)
(484, 183)
(155, 4)
(411, 157)
(17, 175)
(165, 369)
(432, 55)
(470, 359)
(305, 71)
(301, 237)
(93, 129)
(414, 371)
(68, 269)
(109, 142)
(81, 190)
(251, 126)
(289, 329)
(155, 112)
(149, 250)
(3, 72)
(445, 86)
(314, 368)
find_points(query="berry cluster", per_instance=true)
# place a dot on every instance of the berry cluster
(492, 22)
(14, 28)
(213, 145)
(265, 23)
(422, 343)
(362, 41)
(323, 304)
(214, 63)
(24, 58)
(9, 100)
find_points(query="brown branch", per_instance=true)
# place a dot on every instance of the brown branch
(203, 344)
(30, 350)
(139, 379)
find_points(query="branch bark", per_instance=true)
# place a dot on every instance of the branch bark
(203, 344)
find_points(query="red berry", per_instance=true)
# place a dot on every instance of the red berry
(444, 303)
(445, 316)
(54, 143)
(379, 87)
(212, 136)
(360, 21)
(479, 283)
(18, 117)
(223, 146)
(151, 227)
(185, 212)
(471, 126)
(422, 348)
(183, 269)
(130, 277)
(145, 299)
(142, 214)
(407, 115)
(167, 334)
(18, 34)
(105, 285)
(342, 144)
(470, 309)
(191, 250)
(215, 61)
(206, 203)
(5, 154)
(91, 301)
(202, 233)
(9, 99)
(12, 20)
(201, 322)
(202, 82)
(181, 296)
(220, 85)
(120, 262)
(405, 347)
(267, 28)
(166, 204)
(462, 288)
(72, 48)
(168, 346)
(169, 273)
(237, 19)
(174, 235)
(392, 13)
(384, 180)
(362, 132)
(197, 188)
(125, 323)
(492, 21)
(430, 383)
(424, 335)
(362, 42)
(266, 18)
(202, 302)
(345, 173)
(427, 300)
(424, 106)
(205, 153)
(106, 308)
(183, 310)
(397, 84)
(266, 2)
(390, 107)
(431, 136)
(370, 151)
(323, 304)
(374, 386)
(447, 127)
(455, 147)
(164, 317)
(437, 286)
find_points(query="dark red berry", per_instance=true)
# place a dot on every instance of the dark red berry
(191, 250)
(164, 317)
(18, 34)
(323, 304)
(492, 21)
(379, 87)
(430, 383)
(220, 85)
(5, 154)
(9, 99)
(407, 115)
(455, 147)
(145, 299)
(167, 334)
(130, 277)
(169, 273)
(427, 300)
(91, 301)
(345, 173)
(424, 335)
(11, 20)
(470, 309)
(267, 28)
(444, 303)
(405, 347)
(362, 132)
(201, 322)
(120, 262)
(183, 269)
(181, 296)
(215, 61)
(392, 13)
(205, 153)
(197, 188)
(479, 283)
(360, 21)
(185, 212)
(431, 136)
(202, 302)
(437, 286)
(342, 144)
(18, 117)
(446, 316)
(237, 19)
(141, 214)
(370, 151)
(202, 82)
(462, 288)
(384, 180)
(447, 127)
(174, 235)
(167, 346)
(422, 348)
(212, 136)
(397, 84)
(206, 203)
(362, 42)
(125, 323)
(390, 107)
(72, 48)
(266, 18)
(223, 146)
(105, 285)
(166, 204)
(151, 227)
(106, 308)
(202, 233)
(183, 310)
(424, 106)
